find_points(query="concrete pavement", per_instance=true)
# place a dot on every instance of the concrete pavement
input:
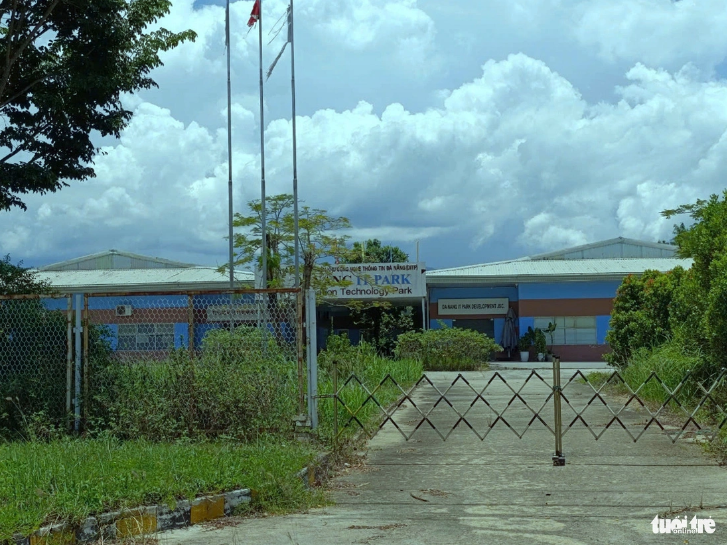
(503, 489)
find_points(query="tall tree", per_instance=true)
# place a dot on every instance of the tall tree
(319, 239)
(380, 318)
(372, 251)
(18, 280)
(705, 241)
(65, 66)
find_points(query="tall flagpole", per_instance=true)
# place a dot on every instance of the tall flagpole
(295, 148)
(262, 158)
(229, 143)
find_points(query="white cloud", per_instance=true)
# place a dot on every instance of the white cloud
(512, 159)
(656, 32)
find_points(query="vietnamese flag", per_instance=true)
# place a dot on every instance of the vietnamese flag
(254, 14)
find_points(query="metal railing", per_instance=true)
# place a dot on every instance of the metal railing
(530, 408)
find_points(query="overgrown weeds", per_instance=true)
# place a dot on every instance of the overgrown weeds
(238, 387)
(360, 369)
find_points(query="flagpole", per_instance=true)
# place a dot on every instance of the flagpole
(263, 226)
(295, 147)
(229, 145)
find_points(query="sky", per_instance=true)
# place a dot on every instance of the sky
(485, 130)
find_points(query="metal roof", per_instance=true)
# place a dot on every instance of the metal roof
(643, 249)
(552, 270)
(115, 259)
(136, 280)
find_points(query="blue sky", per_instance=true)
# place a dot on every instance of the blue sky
(487, 130)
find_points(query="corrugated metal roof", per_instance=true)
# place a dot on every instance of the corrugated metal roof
(627, 248)
(572, 269)
(115, 259)
(102, 281)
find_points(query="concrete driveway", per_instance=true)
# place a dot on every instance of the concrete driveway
(504, 489)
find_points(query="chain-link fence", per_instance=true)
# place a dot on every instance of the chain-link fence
(35, 359)
(156, 365)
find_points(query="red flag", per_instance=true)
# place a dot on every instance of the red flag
(254, 14)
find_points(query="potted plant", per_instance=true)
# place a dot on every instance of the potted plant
(524, 347)
(549, 331)
(541, 344)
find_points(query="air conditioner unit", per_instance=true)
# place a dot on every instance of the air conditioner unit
(123, 310)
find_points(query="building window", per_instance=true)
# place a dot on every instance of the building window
(486, 326)
(570, 329)
(146, 337)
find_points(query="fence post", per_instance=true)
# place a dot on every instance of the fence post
(84, 329)
(77, 346)
(311, 338)
(69, 359)
(190, 324)
(335, 402)
(299, 348)
(558, 458)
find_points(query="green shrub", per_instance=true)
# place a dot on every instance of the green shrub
(33, 360)
(447, 349)
(641, 316)
(237, 386)
(671, 362)
(350, 359)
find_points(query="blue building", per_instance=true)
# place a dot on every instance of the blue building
(143, 301)
(573, 288)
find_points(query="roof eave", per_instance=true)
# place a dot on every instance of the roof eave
(155, 287)
(524, 278)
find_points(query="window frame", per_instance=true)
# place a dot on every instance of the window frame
(155, 337)
(568, 332)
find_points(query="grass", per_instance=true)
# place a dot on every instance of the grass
(137, 453)
(671, 363)
(68, 480)
(371, 371)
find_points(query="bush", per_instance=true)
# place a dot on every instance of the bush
(447, 349)
(350, 359)
(641, 316)
(236, 387)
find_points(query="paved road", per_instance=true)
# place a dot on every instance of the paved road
(503, 490)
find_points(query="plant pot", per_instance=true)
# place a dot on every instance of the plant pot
(524, 356)
(541, 356)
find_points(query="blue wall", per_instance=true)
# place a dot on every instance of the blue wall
(435, 294)
(435, 323)
(569, 290)
(603, 324)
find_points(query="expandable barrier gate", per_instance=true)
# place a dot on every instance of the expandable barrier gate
(479, 412)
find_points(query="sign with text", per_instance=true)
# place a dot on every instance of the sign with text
(378, 281)
(223, 313)
(464, 307)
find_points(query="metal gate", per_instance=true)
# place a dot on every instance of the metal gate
(552, 405)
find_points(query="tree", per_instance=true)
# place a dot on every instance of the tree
(371, 251)
(17, 280)
(705, 241)
(319, 239)
(66, 65)
(643, 313)
(381, 318)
